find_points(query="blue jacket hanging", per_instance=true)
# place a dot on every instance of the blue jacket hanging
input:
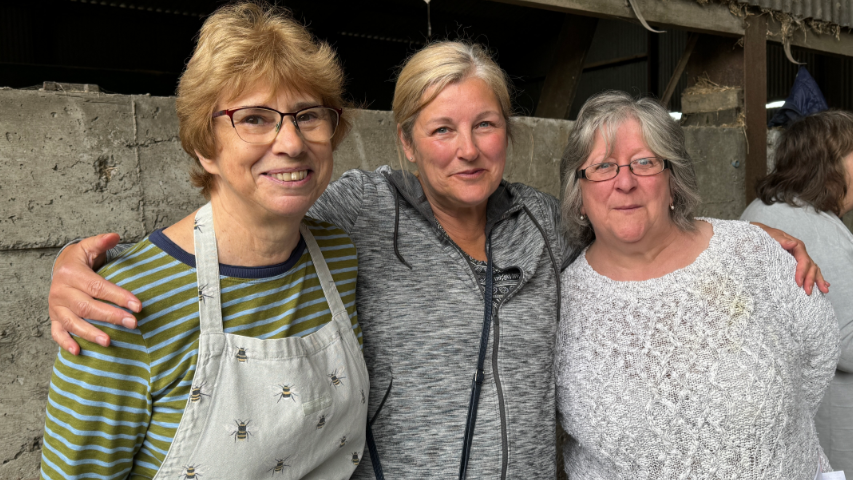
(805, 99)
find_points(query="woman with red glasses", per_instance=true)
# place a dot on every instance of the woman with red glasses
(246, 361)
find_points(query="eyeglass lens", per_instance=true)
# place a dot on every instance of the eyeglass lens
(260, 125)
(640, 166)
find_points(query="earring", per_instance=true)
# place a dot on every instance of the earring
(581, 217)
(671, 206)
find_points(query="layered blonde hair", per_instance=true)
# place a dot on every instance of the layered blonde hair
(426, 73)
(243, 45)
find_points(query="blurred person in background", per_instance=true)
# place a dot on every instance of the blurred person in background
(806, 194)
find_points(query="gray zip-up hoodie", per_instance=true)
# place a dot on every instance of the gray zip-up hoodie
(421, 311)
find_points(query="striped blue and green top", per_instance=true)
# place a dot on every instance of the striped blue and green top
(113, 412)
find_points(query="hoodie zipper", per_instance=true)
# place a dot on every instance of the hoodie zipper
(496, 339)
(495, 342)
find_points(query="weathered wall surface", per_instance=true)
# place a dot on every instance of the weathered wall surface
(75, 164)
(718, 156)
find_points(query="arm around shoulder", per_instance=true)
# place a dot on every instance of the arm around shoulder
(342, 202)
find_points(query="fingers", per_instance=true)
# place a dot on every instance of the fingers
(804, 262)
(95, 248)
(808, 282)
(808, 274)
(789, 243)
(821, 282)
(96, 287)
(75, 287)
(63, 322)
(63, 338)
(73, 273)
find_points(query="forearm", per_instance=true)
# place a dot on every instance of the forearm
(342, 201)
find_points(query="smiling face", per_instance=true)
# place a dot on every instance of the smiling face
(459, 144)
(279, 180)
(628, 207)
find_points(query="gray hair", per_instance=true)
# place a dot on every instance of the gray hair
(604, 113)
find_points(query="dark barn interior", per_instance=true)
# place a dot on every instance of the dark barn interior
(140, 46)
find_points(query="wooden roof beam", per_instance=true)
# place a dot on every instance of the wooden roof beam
(688, 15)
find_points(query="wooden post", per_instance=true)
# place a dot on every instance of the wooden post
(755, 100)
(561, 82)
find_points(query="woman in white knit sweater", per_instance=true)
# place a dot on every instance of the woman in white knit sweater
(686, 350)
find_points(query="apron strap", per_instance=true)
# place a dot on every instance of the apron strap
(207, 271)
(339, 312)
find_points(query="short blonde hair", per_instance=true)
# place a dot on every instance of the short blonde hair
(604, 113)
(239, 46)
(438, 65)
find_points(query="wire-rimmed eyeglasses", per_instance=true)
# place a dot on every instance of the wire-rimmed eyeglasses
(260, 125)
(643, 167)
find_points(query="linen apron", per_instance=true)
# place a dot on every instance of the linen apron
(290, 407)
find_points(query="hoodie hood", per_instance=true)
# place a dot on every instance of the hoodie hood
(501, 202)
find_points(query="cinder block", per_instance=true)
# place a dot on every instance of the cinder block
(719, 159)
(165, 167)
(712, 101)
(68, 168)
(27, 354)
(535, 151)
(370, 144)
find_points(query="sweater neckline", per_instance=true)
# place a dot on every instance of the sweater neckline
(655, 287)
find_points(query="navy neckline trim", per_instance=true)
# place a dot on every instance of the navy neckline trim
(164, 243)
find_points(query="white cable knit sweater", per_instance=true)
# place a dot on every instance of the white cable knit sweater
(714, 371)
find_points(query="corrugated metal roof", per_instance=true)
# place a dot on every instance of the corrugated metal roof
(839, 12)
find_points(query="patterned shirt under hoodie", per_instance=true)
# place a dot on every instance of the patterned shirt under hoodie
(504, 280)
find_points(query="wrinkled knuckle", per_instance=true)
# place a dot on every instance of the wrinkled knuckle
(84, 309)
(96, 287)
(64, 323)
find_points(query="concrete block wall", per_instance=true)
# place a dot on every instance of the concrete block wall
(75, 164)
